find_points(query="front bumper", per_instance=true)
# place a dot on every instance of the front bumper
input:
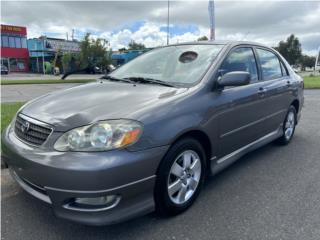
(60, 177)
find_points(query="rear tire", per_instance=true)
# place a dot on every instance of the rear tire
(289, 126)
(180, 177)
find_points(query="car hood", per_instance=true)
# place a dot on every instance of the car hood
(92, 102)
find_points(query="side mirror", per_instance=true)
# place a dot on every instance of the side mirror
(236, 78)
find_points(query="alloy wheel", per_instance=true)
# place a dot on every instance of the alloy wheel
(184, 177)
(289, 125)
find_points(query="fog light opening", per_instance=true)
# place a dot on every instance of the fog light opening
(98, 201)
(93, 203)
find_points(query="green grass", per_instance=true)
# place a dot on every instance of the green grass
(8, 110)
(312, 82)
(47, 81)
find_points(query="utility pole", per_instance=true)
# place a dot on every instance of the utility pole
(168, 22)
(43, 45)
(37, 53)
(212, 20)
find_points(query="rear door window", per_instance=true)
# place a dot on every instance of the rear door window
(270, 64)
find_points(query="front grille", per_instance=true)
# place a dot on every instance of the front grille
(31, 131)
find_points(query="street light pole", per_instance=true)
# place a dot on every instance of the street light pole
(44, 72)
(212, 20)
(168, 22)
(37, 54)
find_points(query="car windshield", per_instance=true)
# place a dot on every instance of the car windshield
(182, 65)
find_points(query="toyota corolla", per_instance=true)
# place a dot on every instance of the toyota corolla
(144, 137)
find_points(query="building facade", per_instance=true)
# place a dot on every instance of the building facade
(44, 49)
(120, 58)
(14, 51)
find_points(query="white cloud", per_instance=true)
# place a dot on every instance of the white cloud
(150, 34)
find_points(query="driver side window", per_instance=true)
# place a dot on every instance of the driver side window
(240, 59)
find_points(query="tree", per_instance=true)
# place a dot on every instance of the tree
(122, 49)
(136, 46)
(66, 62)
(70, 62)
(93, 53)
(290, 49)
(56, 60)
(307, 61)
(203, 38)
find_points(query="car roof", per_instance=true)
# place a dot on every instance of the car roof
(221, 42)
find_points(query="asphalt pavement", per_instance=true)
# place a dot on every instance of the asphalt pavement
(26, 92)
(271, 193)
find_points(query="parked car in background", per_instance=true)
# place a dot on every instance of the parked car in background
(110, 68)
(94, 70)
(145, 136)
(4, 69)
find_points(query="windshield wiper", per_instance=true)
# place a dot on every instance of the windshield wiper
(116, 79)
(150, 80)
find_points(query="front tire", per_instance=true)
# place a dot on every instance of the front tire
(180, 177)
(289, 126)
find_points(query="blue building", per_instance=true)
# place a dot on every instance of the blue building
(45, 49)
(120, 58)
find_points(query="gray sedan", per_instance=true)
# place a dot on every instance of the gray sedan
(144, 137)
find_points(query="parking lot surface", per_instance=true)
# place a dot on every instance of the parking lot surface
(271, 193)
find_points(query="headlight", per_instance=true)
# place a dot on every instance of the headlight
(101, 136)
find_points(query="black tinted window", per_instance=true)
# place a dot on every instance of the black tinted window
(241, 59)
(270, 65)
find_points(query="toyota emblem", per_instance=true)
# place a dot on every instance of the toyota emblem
(25, 127)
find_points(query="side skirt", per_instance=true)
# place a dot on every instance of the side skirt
(218, 165)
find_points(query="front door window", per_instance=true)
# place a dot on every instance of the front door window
(241, 59)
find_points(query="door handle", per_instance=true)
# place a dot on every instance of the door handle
(262, 91)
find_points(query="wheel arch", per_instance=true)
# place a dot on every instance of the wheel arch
(202, 138)
(296, 105)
